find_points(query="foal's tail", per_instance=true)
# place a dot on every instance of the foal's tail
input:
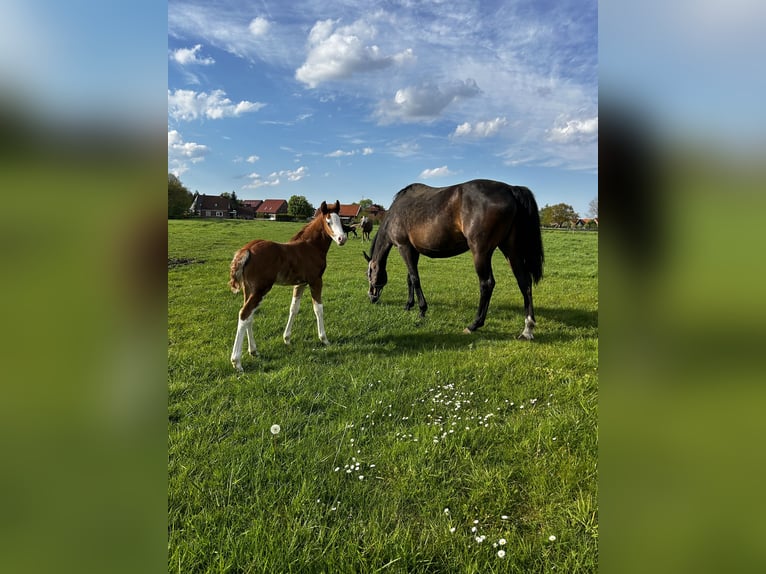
(530, 240)
(241, 258)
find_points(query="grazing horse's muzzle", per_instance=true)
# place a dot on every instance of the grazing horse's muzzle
(375, 291)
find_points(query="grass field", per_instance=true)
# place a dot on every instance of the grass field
(405, 445)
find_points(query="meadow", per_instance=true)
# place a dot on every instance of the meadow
(405, 445)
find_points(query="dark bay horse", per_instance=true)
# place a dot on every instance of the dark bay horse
(261, 264)
(366, 225)
(480, 215)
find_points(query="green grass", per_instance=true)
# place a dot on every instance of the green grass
(499, 431)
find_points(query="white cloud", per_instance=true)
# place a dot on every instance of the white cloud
(340, 153)
(259, 26)
(181, 153)
(252, 159)
(575, 131)
(436, 172)
(275, 178)
(335, 54)
(426, 101)
(480, 129)
(190, 105)
(188, 56)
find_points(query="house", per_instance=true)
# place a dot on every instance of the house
(348, 212)
(376, 212)
(253, 204)
(217, 207)
(269, 208)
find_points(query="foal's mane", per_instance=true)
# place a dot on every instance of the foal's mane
(311, 228)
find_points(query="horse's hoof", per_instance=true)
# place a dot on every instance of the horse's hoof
(287, 341)
(238, 368)
(525, 337)
(254, 353)
(467, 331)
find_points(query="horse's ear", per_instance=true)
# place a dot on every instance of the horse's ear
(367, 257)
(323, 208)
(337, 206)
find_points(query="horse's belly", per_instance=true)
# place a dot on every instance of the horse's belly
(442, 251)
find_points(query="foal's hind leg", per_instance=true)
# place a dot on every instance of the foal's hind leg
(245, 328)
(295, 306)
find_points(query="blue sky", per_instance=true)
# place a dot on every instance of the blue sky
(349, 100)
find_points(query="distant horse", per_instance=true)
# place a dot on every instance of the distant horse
(479, 215)
(260, 264)
(349, 229)
(366, 225)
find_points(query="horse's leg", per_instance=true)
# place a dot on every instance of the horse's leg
(482, 262)
(245, 328)
(524, 280)
(525, 286)
(295, 306)
(411, 257)
(316, 297)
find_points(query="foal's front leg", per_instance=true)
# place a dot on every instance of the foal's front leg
(295, 306)
(316, 296)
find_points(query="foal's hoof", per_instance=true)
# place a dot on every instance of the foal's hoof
(237, 367)
(467, 331)
(525, 337)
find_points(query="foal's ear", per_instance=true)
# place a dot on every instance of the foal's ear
(323, 208)
(367, 257)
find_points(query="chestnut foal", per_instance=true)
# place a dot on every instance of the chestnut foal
(261, 264)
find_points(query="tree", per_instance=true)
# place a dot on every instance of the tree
(298, 206)
(559, 214)
(179, 198)
(364, 204)
(235, 203)
(593, 207)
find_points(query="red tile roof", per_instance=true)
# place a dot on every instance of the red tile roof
(272, 206)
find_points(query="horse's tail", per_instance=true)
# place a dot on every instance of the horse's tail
(529, 233)
(241, 258)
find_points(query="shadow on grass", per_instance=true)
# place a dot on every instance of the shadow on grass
(505, 322)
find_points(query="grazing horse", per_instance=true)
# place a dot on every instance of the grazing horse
(479, 215)
(366, 225)
(260, 264)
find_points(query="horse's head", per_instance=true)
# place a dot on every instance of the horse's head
(333, 225)
(377, 276)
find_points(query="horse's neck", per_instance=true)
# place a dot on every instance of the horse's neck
(382, 247)
(314, 234)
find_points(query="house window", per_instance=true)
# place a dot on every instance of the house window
(219, 213)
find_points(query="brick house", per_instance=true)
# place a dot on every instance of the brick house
(217, 207)
(269, 208)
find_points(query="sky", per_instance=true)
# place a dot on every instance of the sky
(351, 100)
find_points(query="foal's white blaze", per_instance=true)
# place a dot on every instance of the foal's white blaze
(333, 220)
